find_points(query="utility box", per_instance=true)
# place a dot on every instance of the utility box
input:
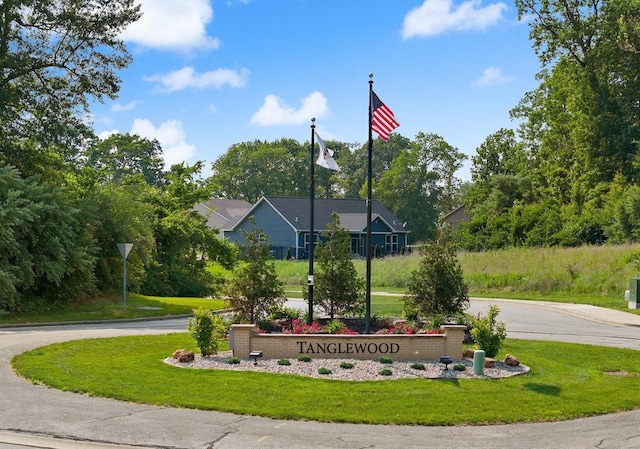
(634, 293)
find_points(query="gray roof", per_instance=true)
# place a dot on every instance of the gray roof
(229, 209)
(352, 213)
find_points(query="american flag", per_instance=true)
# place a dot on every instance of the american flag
(383, 121)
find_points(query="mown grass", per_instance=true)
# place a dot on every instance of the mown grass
(113, 307)
(566, 381)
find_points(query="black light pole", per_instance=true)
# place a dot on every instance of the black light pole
(367, 300)
(311, 218)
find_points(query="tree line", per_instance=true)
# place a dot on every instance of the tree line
(567, 175)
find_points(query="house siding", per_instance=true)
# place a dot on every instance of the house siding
(279, 232)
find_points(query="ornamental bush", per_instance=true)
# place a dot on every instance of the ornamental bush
(207, 329)
(488, 333)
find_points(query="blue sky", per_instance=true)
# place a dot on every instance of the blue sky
(210, 73)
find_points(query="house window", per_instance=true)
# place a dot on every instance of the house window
(391, 243)
(357, 244)
(306, 240)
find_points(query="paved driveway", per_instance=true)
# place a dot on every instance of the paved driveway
(35, 416)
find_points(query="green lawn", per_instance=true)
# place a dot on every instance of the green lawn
(110, 307)
(566, 381)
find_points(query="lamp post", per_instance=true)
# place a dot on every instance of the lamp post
(124, 251)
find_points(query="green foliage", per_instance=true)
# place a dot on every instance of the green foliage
(207, 330)
(304, 358)
(420, 183)
(338, 290)
(56, 58)
(385, 372)
(255, 289)
(346, 365)
(418, 366)
(385, 359)
(284, 313)
(488, 333)
(284, 362)
(437, 286)
(233, 360)
(47, 254)
(459, 367)
(324, 371)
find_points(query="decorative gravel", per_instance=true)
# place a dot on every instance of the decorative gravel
(363, 370)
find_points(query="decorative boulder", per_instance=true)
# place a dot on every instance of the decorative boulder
(511, 360)
(184, 356)
(489, 362)
(468, 353)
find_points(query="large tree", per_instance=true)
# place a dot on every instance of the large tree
(56, 55)
(421, 184)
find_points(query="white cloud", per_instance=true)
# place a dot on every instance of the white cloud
(438, 16)
(275, 112)
(106, 134)
(187, 77)
(172, 25)
(171, 136)
(492, 76)
(125, 107)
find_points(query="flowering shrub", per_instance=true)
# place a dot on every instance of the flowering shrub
(437, 330)
(398, 328)
(300, 327)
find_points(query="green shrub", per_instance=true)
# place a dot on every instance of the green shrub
(334, 326)
(304, 358)
(489, 334)
(207, 329)
(418, 366)
(324, 371)
(346, 365)
(385, 372)
(459, 367)
(284, 313)
(284, 362)
(386, 360)
(233, 360)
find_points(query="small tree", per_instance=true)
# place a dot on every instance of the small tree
(338, 286)
(255, 288)
(437, 286)
(488, 333)
(207, 330)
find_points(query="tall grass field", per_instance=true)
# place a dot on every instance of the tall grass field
(596, 275)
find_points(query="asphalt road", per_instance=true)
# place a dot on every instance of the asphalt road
(35, 416)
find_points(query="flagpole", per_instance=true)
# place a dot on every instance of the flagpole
(311, 230)
(367, 301)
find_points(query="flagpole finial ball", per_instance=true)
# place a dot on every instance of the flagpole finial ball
(313, 120)
(370, 75)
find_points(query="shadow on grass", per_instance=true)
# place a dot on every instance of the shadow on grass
(550, 390)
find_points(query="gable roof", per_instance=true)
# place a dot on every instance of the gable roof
(352, 213)
(228, 209)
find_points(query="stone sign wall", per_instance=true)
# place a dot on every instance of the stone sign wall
(245, 338)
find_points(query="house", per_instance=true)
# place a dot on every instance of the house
(219, 212)
(455, 217)
(286, 221)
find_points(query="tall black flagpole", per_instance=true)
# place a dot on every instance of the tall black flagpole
(367, 309)
(311, 218)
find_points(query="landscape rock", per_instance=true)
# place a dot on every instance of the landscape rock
(184, 356)
(468, 353)
(511, 360)
(489, 362)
